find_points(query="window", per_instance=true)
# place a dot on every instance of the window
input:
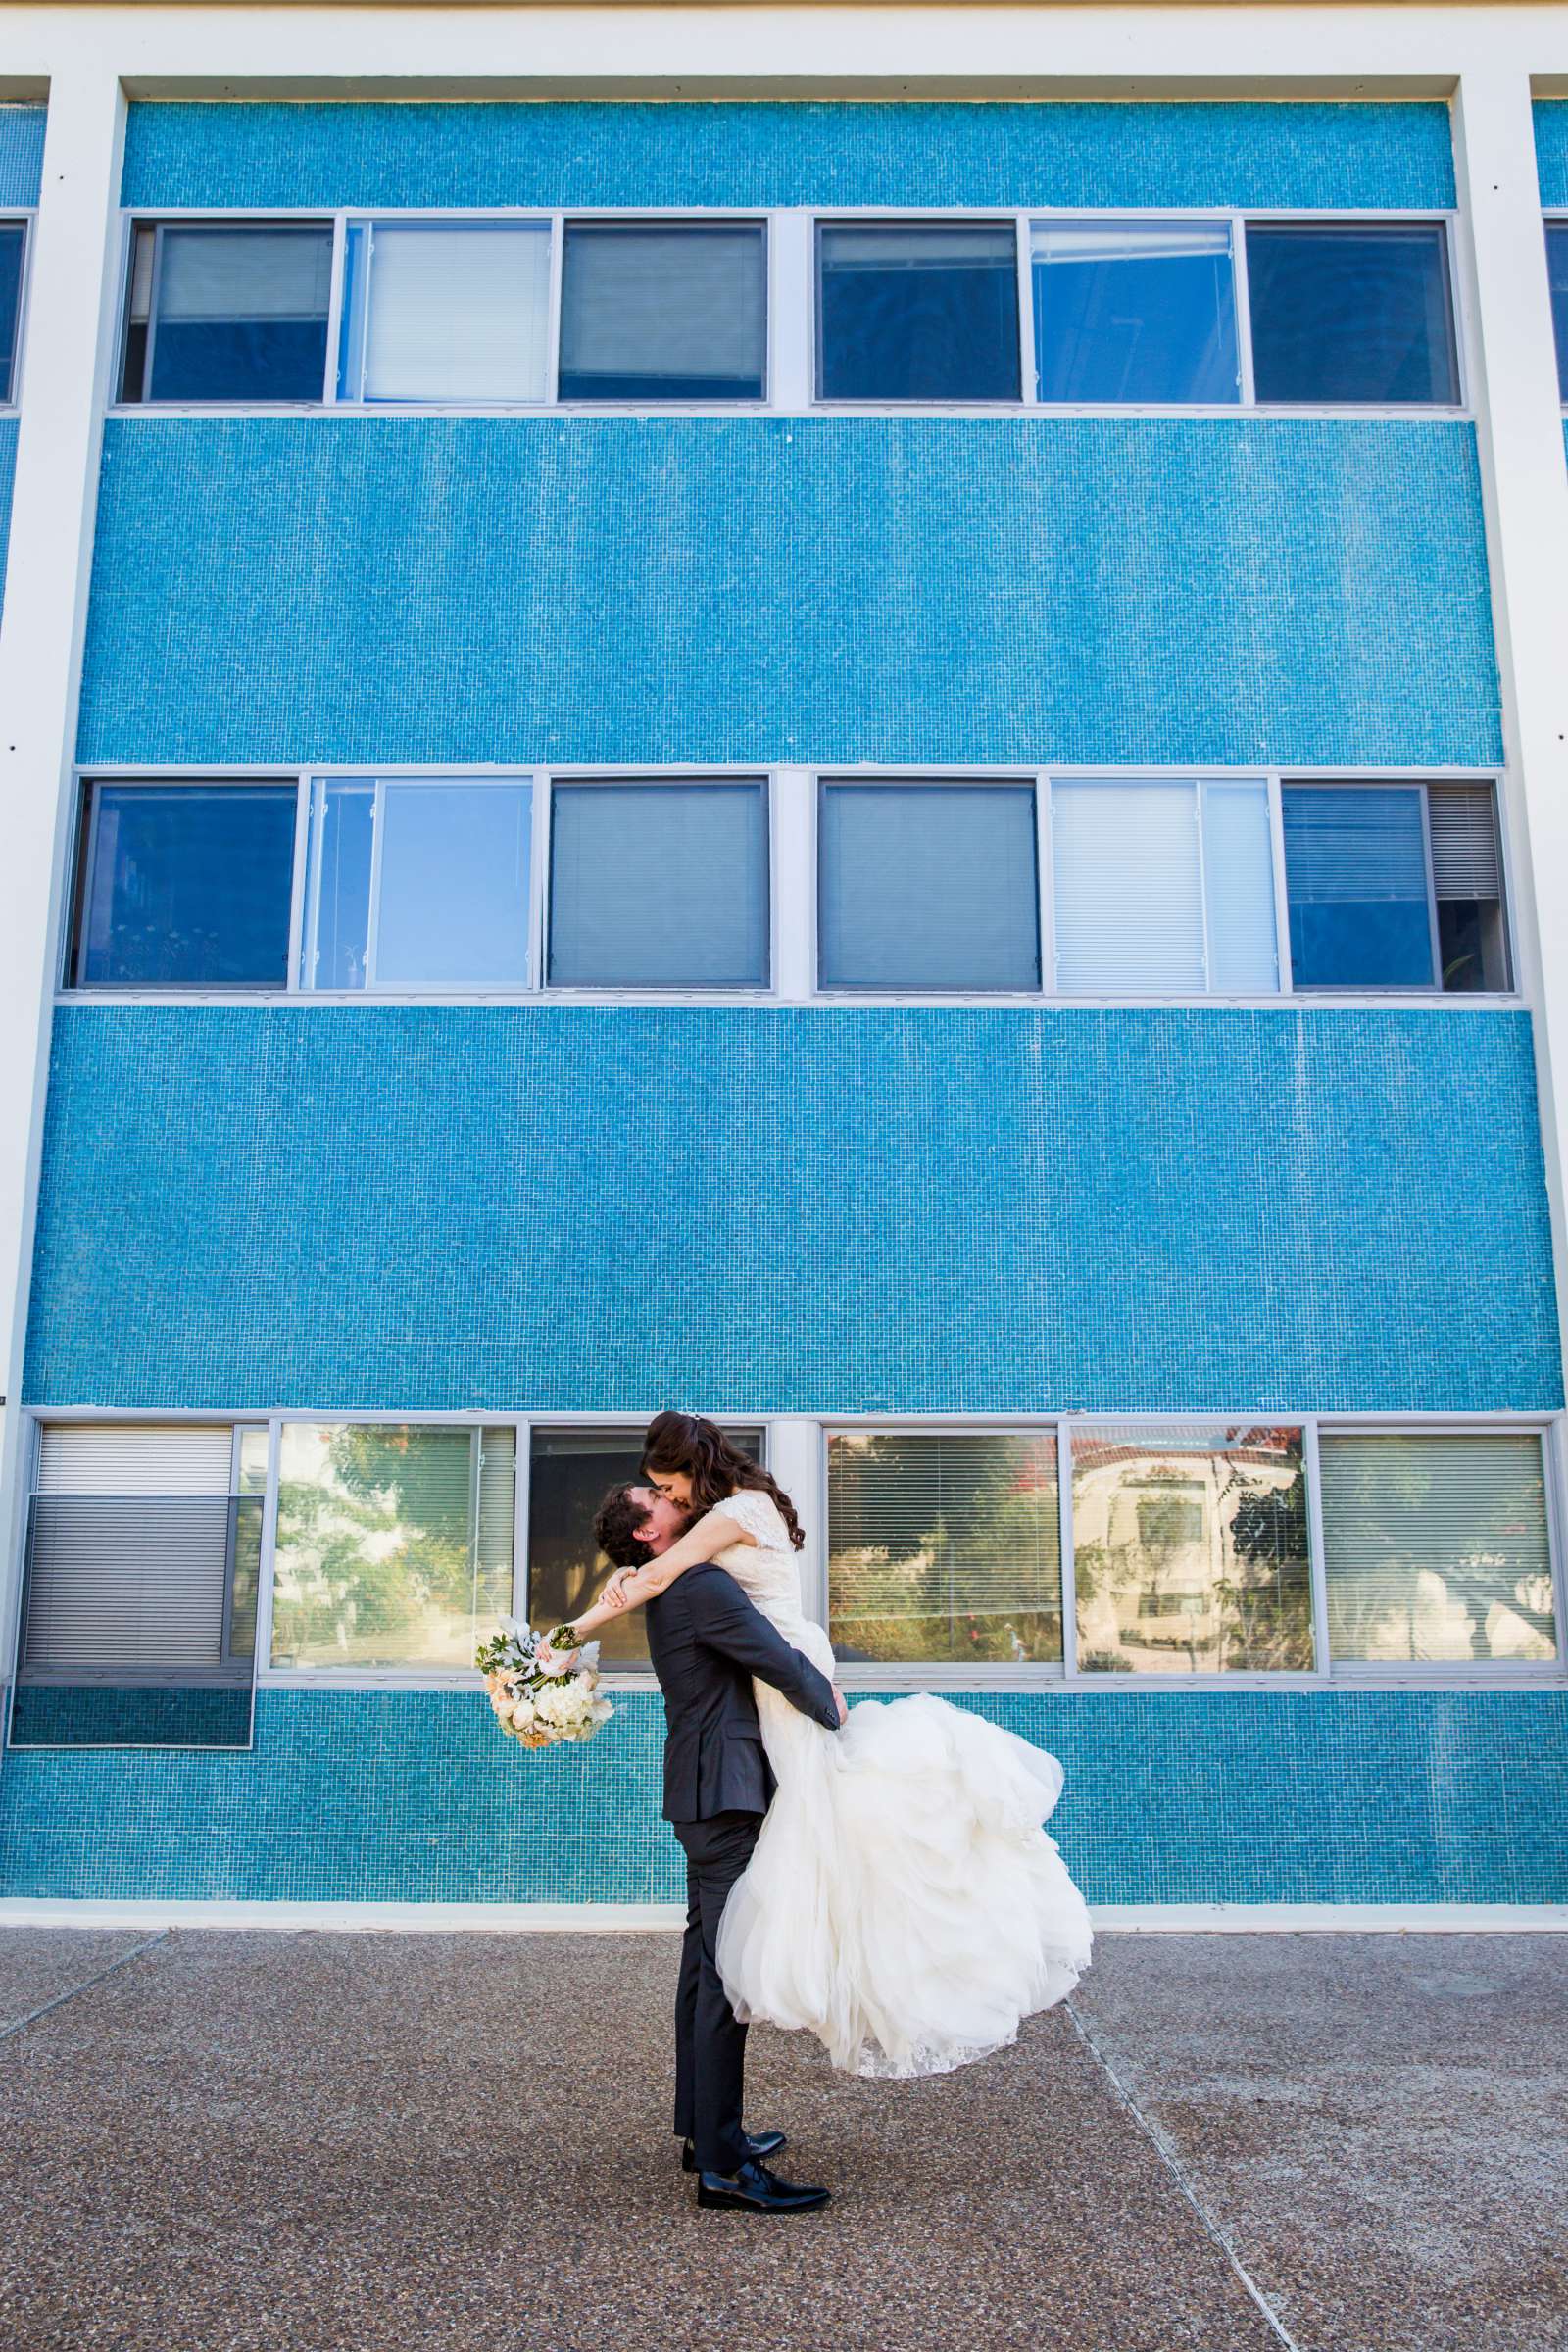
(945, 1548)
(184, 886)
(1163, 889)
(1557, 275)
(610, 841)
(228, 311)
(570, 1470)
(445, 310)
(918, 311)
(1135, 310)
(1435, 1549)
(1352, 312)
(12, 252)
(1394, 886)
(1190, 1550)
(928, 886)
(394, 1544)
(138, 1613)
(418, 885)
(664, 310)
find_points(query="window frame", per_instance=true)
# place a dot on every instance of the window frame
(25, 217)
(795, 1446)
(1373, 780)
(794, 795)
(1555, 218)
(793, 321)
(582, 991)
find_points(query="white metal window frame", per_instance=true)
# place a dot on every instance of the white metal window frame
(793, 321)
(1556, 220)
(795, 1451)
(23, 217)
(794, 800)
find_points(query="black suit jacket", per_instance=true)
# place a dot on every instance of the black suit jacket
(707, 1642)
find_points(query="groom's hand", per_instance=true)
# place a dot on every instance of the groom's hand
(841, 1704)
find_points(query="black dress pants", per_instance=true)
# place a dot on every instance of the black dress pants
(709, 2038)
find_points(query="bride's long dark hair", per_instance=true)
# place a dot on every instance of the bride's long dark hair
(700, 1450)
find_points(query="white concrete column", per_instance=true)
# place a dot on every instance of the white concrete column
(1525, 489)
(797, 1459)
(66, 354)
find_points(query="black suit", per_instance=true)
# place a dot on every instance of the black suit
(707, 1642)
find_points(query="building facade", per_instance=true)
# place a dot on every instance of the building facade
(861, 727)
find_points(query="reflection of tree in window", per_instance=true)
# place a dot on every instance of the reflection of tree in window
(377, 1556)
(945, 1547)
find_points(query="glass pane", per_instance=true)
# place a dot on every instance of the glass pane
(241, 314)
(1436, 1551)
(1128, 890)
(342, 848)
(1239, 889)
(1557, 271)
(1145, 312)
(457, 313)
(659, 311)
(12, 242)
(379, 1561)
(1190, 1550)
(945, 1547)
(187, 885)
(1357, 312)
(615, 846)
(1467, 882)
(570, 1471)
(138, 1623)
(929, 885)
(913, 310)
(452, 904)
(1355, 868)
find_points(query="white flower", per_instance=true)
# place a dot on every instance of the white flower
(522, 1713)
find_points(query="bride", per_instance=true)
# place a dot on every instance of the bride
(904, 1902)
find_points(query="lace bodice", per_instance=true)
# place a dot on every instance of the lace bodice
(766, 1571)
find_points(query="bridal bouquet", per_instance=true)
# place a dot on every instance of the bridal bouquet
(541, 1688)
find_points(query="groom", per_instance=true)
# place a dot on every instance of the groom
(707, 1642)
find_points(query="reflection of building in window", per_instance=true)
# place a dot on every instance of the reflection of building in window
(1190, 1550)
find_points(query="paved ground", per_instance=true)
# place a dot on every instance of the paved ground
(225, 2142)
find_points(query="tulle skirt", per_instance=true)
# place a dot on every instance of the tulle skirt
(904, 1902)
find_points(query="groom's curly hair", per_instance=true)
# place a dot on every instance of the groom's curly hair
(615, 1525)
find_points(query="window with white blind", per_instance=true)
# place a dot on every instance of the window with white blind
(943, 1547)
(1436, 1549)
(139, 1598)
(1164, 888)
(445, 310)
(393, 1545)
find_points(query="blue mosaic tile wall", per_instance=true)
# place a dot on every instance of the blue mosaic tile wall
(1179, 1797)
(21, 129)
(771, 153)
(671, 589)
(1551, 149)
(824, 1209)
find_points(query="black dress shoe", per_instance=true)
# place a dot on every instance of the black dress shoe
(759, 2146)
(755, 2189)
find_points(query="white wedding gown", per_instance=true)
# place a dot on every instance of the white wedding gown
(904, 1902)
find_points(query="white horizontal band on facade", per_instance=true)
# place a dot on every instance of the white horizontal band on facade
(625, 1919)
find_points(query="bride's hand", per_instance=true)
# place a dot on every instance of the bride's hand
(613, 1595)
